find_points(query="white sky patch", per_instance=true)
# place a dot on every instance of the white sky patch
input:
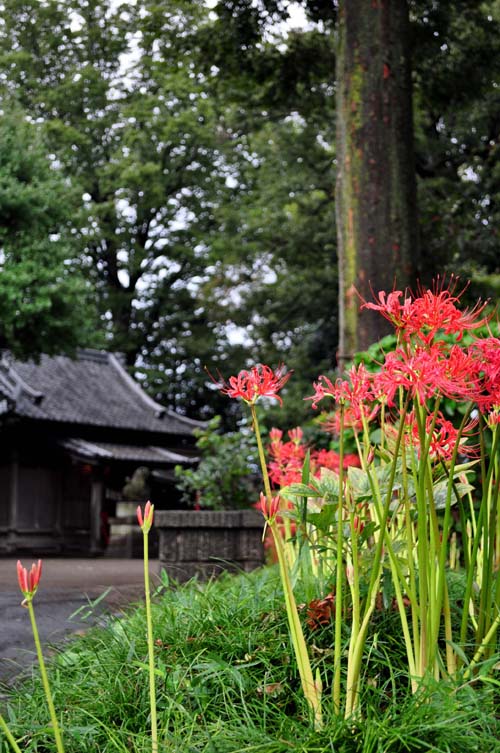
(469, 174)
(297, 20)
(236, 335)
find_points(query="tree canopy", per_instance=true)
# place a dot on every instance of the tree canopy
(46, 300)
(196, 155)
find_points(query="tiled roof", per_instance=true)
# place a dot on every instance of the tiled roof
(94, 389)
(110, 451)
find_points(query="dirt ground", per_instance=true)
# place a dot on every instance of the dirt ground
(64, 604)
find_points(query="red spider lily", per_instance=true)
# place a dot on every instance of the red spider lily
(322, 388)
(259, 381)
(287, 459)
(296, 435)
(486, 355)
(426, 371)
(416, 372)
(147, 521)
(488, 348)
(429, 312)
(457, 374)
(275, 435)
(269, 508)
(28, 582)
(356, 394)
(354, 391)
(493, 417)
(357, 388)
(390, 307)
(352, 418)
(331, 460)
(444, 437)
(436, 310)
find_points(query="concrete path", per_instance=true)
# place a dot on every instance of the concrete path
(66, 586)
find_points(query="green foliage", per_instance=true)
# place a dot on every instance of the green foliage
(226, 477)
(227, 684)
(202, 141)
(141, 139)
(456, 101)
(45, 300)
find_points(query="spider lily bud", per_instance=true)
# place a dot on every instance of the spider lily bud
(147, 521)
(28, 581)
(270, 508)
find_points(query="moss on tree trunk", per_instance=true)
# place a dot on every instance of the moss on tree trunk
(375, 192)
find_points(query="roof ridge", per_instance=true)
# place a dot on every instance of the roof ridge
(18, 384)
(92, 354)
(190, 421)
(159, 410)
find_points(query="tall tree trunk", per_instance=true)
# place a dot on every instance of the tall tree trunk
(375, 192)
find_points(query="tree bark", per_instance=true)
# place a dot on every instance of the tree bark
(376, 192)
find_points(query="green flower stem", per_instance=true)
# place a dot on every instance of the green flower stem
(337, 651)
(442, 600)
(262, 454)
(353, 580)
(435, 609)
(382, 511)
(289, 547)
(492, 596)
(354, 668)
(9, 735)
(451, 657)
(471, 570)
(480, 533)
(310, 688)
(410, 549)
(45, 679)
(398, 578)
(423, 553)
(490, 518)
(482, 648)
(151, 657)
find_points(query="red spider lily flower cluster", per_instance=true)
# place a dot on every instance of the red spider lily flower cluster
(486, 355)
(286, 459)
(424, 372)
(269, 507)
(432, 311)
(425, 365)
(28, 581)
(440, 434)
(390, 307)
(259, 381)
(357, 394)
(145, 521)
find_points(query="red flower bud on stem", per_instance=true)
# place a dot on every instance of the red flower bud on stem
(28, 581)
(268, 508)
(147, 521)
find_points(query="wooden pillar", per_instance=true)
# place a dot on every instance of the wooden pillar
(96, 501)
(13, 502)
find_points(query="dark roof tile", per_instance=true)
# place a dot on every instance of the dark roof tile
(92, 389)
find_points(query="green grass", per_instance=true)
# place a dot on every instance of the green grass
(227, 682)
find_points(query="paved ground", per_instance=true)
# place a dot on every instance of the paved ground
(63, 603)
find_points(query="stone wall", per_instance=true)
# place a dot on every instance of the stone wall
(206, 542)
